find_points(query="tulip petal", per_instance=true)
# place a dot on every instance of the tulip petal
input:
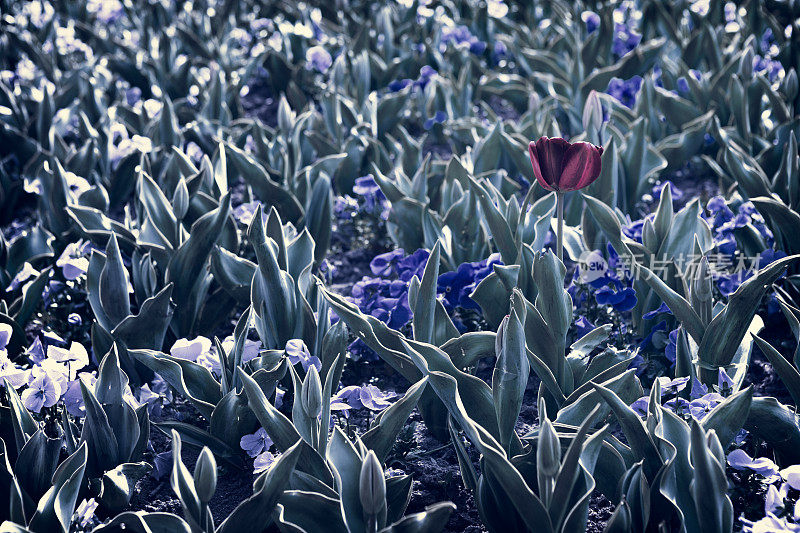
(581, 166)
(537, 170)
(550, 158)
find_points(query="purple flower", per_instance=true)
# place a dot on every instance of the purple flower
(621, 300)
(162, 464)
(625, 39)
(347, 398)
(456, 286)
(426, 74)
(438, 118)
(133, 96)
(256, 443)
(43, 391)
(792, 476)
(729, 283)
(374, 399)
(75, 358)
(355, 397)
(640, 406)
(297, 352)
(15, 375)
(678, 405)
(626, 91)
(365, 186)
(583, 326)
(740, 460)
(245, 212)
(634, 229)
(399, 85)
(671, 351)
(724, 381)
(73, 398)
(672, 386)
(663, 308)
(383, 264)
(460, 37)
(263, 462)
(592, 21)
(35, 351)
(677, 194)
(700, 407)
(318, 58)
(562, 166)
(412, 265)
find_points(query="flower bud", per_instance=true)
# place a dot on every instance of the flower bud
(649, 237)
(180, 199)
(205, 475)
(285, 115)
(790, 85)
(372, 485)
(548, 452)
(312, 393)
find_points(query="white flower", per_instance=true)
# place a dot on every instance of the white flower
(792, 476)
(74, 359)
(5, 335)
(190, 350)
(497, 9)
(11, 372)
(85, 511)
(26, 272)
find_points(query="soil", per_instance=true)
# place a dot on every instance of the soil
(154, 493)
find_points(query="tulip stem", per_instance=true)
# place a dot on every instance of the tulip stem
(560, 227)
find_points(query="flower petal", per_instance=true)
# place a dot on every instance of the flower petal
(581, 166)
(547, 158)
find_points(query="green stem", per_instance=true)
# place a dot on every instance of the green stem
(560, 228)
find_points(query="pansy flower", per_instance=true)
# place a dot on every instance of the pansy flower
(5, 335)
(25, 273)
(15, 375)
(621, 300)
(74, 359)
(73, 261)
(263, 462)
(43, 391)
(297, 352)
(85, 512)
(739, 460)
(256, 443)
(190, 350)
(317, 58)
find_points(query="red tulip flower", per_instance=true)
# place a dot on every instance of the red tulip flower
(561, 167)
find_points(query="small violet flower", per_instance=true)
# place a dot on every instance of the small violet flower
(297, 352)
(263, 462)
(740, 460)
(317, 58)
(256, 443)
(73, 261)
(42, 392)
